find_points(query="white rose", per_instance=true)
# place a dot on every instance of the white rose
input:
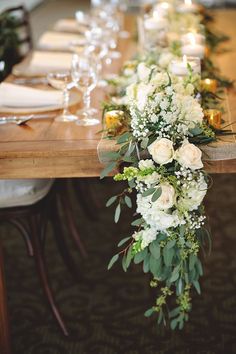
(143, 72)
(162, 151)
(143, 164)
(131, 91)
(167, 197)
(193, 196)
(189, 156)
(143, 91)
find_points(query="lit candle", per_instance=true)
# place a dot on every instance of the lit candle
(192, 37)
(114, 121)
(155, 23)
(209, 85)
(213, 117)
(193, 49)
(180, 67)
(162, 8)
(187, 7)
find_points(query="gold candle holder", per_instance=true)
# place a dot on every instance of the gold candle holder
(213, 117)
(209, 85)
(114, 122)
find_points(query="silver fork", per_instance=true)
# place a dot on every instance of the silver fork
(19, 120)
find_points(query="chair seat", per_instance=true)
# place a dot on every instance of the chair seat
(23, 192)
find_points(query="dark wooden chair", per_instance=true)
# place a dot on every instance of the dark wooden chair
(31, 221)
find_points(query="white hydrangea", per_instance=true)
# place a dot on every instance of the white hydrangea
(156, 218)
(147, 236)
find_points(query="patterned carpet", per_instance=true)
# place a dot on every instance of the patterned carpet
(104, 311)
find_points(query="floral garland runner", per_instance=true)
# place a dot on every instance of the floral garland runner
(161, 122)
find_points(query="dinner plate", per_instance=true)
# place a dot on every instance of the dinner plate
(74, 100)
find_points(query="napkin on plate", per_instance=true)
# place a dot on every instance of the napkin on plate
(69, 25)
(59, 41)
(50, 61)
(20, 96)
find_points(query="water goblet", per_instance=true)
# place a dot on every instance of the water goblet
(84, 76)
(62, 81)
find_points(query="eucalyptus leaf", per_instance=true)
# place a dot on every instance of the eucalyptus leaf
(112, 261)
(129, 257)
(197, 286)
(123, 241)
(155, 249)
(148, 192)
(156, 194)
(110, 167)
(149, 312)
(168, 255)
(146, 265)
(137, 222)
(173, 324)
(117, 213)
(111, 201)
(128, 201)
(139, 257)
(123, 138)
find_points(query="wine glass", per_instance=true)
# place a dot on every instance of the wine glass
(62, 81)
(98, 46)
(84, 76)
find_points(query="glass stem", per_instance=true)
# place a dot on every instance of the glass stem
(87, 102)
(66, 97)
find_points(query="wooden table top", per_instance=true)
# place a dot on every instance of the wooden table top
(45, 148)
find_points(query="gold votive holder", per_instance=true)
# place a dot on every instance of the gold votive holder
(209, 85)
(114, 122)
(213, 117)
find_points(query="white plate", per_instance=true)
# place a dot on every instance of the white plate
(74, 100)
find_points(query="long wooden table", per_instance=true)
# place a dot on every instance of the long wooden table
(45, 148)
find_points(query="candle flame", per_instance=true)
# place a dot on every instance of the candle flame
(165, 5)
(192, 38)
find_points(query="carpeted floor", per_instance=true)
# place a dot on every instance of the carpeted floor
(105, 310)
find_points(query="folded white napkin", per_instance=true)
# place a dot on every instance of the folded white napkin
(69, 25)
(20, 96)
(59, 41)
(50, 61)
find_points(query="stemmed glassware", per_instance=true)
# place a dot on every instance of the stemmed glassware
(62, 81)
(84, 76)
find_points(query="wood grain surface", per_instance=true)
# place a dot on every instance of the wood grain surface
(45, 148)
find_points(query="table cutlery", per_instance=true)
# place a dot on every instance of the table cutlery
(19, 120)
(30, 81)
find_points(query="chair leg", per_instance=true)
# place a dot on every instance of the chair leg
(40, 263)
(25, 233)
(61, 243)
(70, 221)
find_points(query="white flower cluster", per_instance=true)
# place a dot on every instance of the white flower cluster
(146, 236)
(163, 104)
(178, 202)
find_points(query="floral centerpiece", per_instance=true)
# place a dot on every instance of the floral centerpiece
(160, 159)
